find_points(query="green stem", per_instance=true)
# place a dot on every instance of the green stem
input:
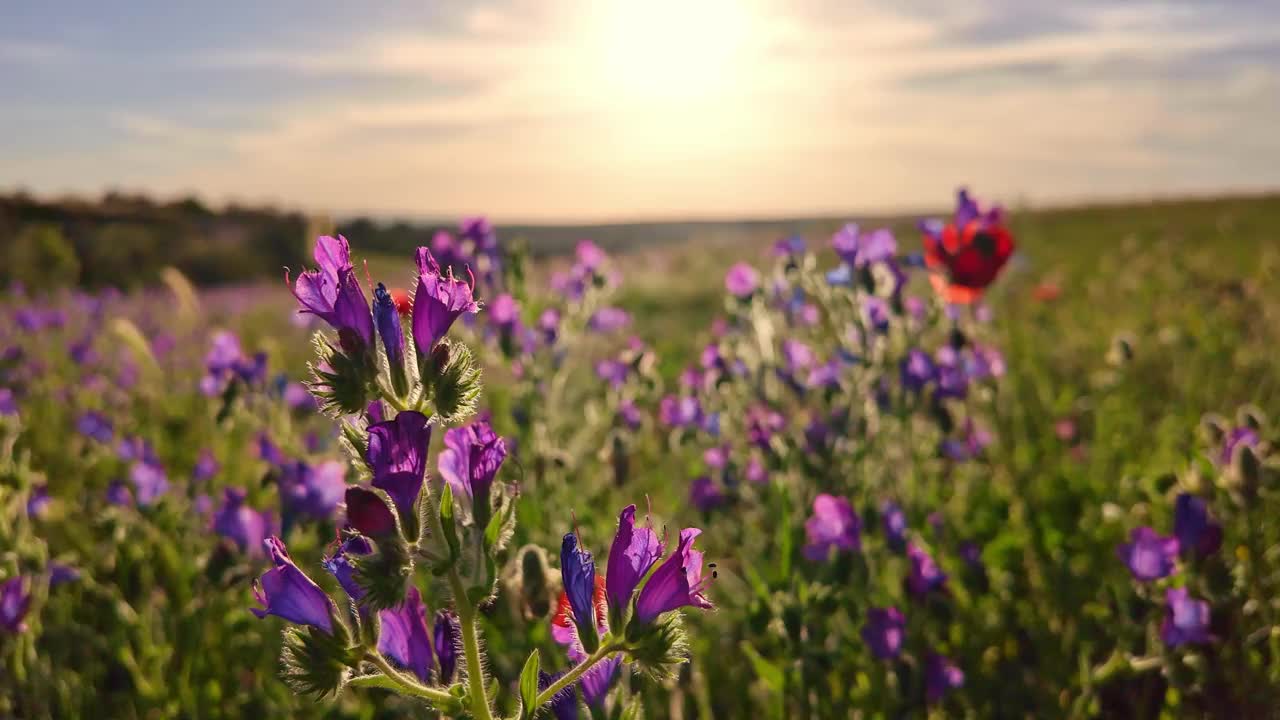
(407, 684)
(572, 676)
(471, 645)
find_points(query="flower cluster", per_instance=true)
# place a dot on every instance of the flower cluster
(390, 397)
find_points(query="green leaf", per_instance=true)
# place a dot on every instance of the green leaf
(529, 685)
(449, 523)
(770, 674)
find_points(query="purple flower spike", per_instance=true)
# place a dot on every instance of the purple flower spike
(244, 526)
(676, 583)
(368, 513)
(287, 592)
(1194, 527)
(633, 553)
(1149, 555)
(15, 600)
(940, 677)
(445, 638)
(397, 455)
(438, 302)
(860, 249)
(404, 638)
(832, 525)
(742, 280)
(578, 570)
(884, 631)
(1186, 620)
(925, 575)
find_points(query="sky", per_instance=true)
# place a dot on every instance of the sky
(631, 109)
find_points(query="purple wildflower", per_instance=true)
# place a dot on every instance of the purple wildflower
(445, 639)
(119, 494)
(608, 319)
(705, 494)
(1186, 620)
(367, 513)
(875, 312)
(940, 677)
(797, 355)
(1194, 527)
(925, 573)
(756, 471)
(397, 456)
(578, 571)
(287, 592)
(629, 414)
(742, 280)
(38, 501)
(1241, 436)
(149, 481)
(549, 324)
(245, 527)
(633, 552)
(311, 490)
(895, 525)
(504, 312)
(676, 583)
(613, 372)
(95, 425)
(333, 294)
(471, 458)
(206, 466)
(340, 566)
(1149, 555)
(15, 601)
(8, 402)
(860, 249)
(403, 636)
(438, 302)
(917, 370)
(387, 320)
(832, 525)
(884, 631)
(763, 423)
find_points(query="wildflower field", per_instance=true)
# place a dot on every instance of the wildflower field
(997, 463)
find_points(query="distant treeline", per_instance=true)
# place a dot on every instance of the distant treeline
(125, 240)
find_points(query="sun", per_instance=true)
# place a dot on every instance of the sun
(653, 51)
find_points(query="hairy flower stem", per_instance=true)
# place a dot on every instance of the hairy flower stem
(407, 684)
(471, 645)
(572, 676)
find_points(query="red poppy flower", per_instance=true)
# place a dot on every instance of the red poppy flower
(404, 303)
(967, 254)
(1047, 292)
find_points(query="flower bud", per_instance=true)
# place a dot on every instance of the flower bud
(455, 381)
(340, 381)
(384, 574)
(317, 664)
(658, 649)
(387, 320)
